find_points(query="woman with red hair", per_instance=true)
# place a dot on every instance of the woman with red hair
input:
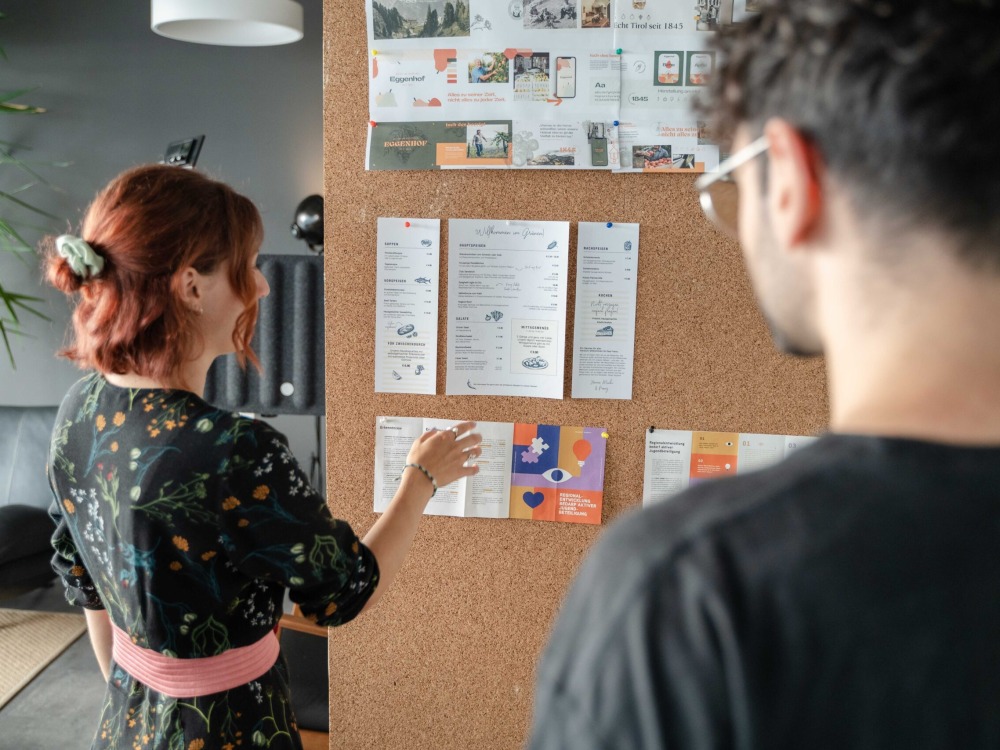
(179, 525)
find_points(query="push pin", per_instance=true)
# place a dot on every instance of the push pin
(373, 123)
(615, 123)
(618, 51)
(610, 225)
(406, 224)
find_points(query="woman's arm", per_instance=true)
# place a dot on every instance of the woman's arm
(99, 630)
(444, 456)
(391, 536)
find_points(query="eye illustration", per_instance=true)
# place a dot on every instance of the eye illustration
(557, 476)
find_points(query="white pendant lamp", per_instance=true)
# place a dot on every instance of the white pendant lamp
(234, 23)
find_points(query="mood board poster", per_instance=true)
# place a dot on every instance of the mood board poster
(534, 472)
(678, 459)
(542, 84)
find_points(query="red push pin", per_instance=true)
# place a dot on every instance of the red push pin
(406, 224)
(372, 123)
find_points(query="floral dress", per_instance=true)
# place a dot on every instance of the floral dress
(187, 523)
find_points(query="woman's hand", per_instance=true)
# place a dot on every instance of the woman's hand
(445, 453)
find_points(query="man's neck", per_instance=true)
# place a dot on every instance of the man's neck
(919, 360)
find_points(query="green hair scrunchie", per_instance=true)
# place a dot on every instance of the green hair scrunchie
(82, 258)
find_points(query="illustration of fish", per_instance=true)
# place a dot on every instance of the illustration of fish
(403, 330)
(422, 280)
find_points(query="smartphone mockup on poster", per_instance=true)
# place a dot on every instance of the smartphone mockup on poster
(599, 152)
(598, 144)
(565, 77)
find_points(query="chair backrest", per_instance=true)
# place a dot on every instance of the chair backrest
(25, 433)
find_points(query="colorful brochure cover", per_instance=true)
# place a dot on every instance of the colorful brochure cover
(534, 472)
(678, 459)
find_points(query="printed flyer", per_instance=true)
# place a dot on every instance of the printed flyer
(406, 305)
(534, 472)
(507, 283)
(541, 84)
(607, 269)
(677, 459)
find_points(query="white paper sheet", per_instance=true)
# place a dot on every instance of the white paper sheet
(484, 495)
(393, 438)
(668, 464)
(406, 304)
(534, 76)
(604, 327)
(527, 471)
(507, 307)
(676, 459)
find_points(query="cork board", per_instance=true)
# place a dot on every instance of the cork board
(447, 659)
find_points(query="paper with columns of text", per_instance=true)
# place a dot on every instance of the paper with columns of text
(406, 305)
(533, 472)
(677, 459)
(507, 307)
(604, 328)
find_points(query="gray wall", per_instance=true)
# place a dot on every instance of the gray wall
(116, 95)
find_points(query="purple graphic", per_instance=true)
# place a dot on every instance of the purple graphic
(563, 458)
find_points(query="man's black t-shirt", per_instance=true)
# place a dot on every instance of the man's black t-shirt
(848, 597)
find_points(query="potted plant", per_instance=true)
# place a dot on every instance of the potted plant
(18, 177)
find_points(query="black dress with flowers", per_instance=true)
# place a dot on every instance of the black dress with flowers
(187, 523)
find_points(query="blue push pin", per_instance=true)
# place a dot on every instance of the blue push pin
(610, 225)
(615, 123)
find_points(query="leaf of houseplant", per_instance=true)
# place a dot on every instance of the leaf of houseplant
(14, 301)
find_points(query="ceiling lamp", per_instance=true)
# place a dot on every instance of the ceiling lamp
(234, 23)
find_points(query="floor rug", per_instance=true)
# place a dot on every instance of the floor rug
(29, 641)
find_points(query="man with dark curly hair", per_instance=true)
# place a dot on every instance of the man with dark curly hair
(848, 597)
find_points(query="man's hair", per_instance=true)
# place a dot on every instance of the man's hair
(894, 94)
(149, 224)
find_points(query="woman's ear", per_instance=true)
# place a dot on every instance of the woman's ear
(191, 290)
(794, 188)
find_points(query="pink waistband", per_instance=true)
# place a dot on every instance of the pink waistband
(193, 678)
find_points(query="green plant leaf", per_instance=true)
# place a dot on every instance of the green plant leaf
(7, 157)
(21, 109)
(7, 196)
(14, 305)
(6, 343)
(17, 242)
(7, 103)
(8, 95)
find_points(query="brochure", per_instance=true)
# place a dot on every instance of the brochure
(534, 472)
(678, 459)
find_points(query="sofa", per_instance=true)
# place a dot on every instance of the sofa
(25, 526)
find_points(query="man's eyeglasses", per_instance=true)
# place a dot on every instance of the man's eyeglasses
(720, 198)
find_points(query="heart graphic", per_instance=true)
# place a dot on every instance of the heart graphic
(533, 499)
